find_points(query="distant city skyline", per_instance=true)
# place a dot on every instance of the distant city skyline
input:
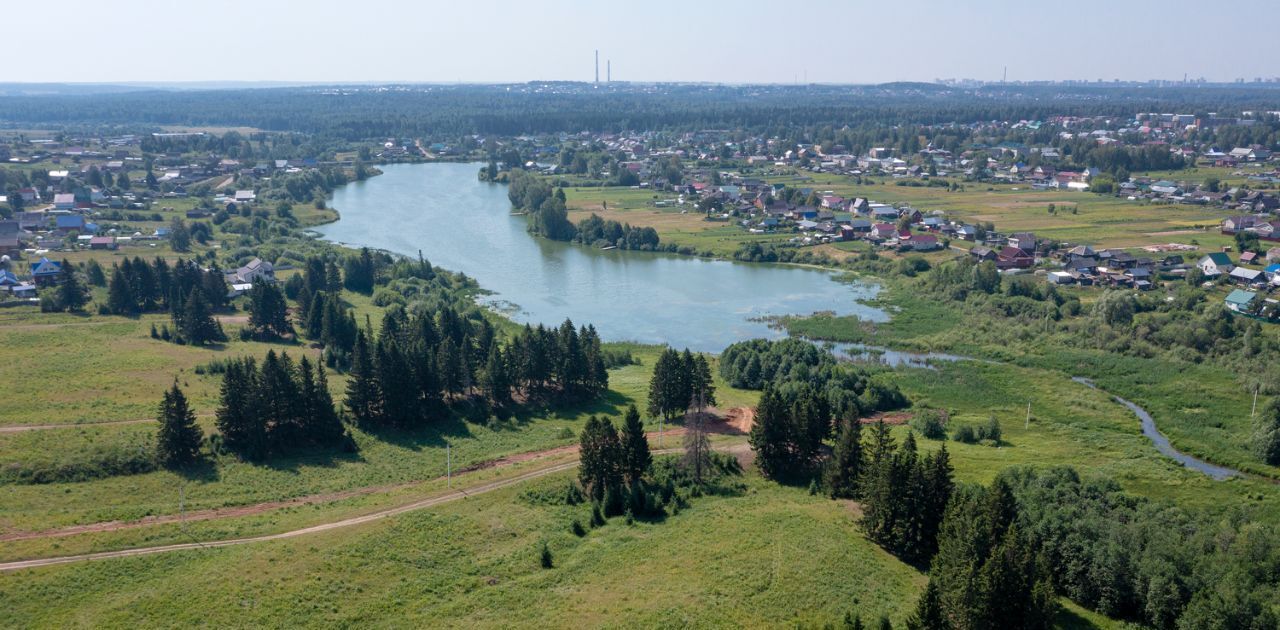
(748, 41)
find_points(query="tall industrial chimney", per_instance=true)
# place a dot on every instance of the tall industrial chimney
(608, 71)
(597, 66)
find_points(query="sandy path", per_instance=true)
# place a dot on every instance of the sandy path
(258, 508)
(323, 527)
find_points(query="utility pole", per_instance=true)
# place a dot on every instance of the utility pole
(1253, 414)
(448, 466)
(1027, 425)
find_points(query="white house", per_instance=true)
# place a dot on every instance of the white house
(1215, 264)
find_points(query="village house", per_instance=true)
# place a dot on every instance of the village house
(1014, 258)
(1241, 301)
(1215, 264)
(257, 270)
(46, 272)
(102, 242)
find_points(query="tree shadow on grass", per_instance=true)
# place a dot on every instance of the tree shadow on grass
(432, 435)
(204, 470)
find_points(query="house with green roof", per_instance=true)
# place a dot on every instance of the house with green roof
(1241, 301)
(1215, 264)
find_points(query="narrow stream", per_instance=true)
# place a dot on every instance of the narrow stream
(898, 358)
(1161, 442)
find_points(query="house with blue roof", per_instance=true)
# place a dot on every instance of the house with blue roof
(46, 272)
(70, 222)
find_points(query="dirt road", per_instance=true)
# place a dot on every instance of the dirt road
(323, 527)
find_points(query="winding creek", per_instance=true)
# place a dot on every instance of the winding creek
(465, 225)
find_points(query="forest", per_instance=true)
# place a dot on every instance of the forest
(438, 111)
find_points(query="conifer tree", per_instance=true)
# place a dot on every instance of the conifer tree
(928, 614)
(600, 457)
(238, 418)
(72, 294)
(635, 448)
(770, 435)
(497, 385)
(363, 395)
(319, 419)
(196, 324)
(120, 300)
(268, 310)
(845, 466)
(178, 438)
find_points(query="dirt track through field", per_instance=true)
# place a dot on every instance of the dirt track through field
(734, 422)
(323, 527)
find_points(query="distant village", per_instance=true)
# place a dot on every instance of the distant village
(81, 198)
(762, 185)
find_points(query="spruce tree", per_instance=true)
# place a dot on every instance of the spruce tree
(319, 419)
(178, 438)
(268, 310)
(770, 435)
(635, 448)
(497, 385)
(93, 271)
(877, 487)
(120, 299)
(600, 457)
(928, 614)
(197, 324)
(845, 465)
(238, 417)
(280, 403)
(363, 396)
(72, 294)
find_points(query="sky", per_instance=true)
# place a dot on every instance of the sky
(742, 41)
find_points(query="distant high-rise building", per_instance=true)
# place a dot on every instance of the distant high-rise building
(597, 66)
(608, 71)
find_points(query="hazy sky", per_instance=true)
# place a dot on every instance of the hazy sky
(850, 41)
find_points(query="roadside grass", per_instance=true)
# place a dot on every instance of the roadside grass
(384, 457)
(770, 556)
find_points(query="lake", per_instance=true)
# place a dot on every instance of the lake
(462, 224)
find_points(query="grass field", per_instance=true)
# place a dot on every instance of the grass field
(769, 555)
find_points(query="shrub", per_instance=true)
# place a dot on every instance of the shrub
(544, 558)
(577, 528)
(965, 435)
(929, 422)
(990, 430)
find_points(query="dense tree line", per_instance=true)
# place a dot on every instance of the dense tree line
(680, 380)
(419, 362)
(594, 230)
(904, 495)
(277, 407)
(850, 391)
(136, 286)
(986, 573)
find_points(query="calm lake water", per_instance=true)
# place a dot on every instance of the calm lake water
(462, 224)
